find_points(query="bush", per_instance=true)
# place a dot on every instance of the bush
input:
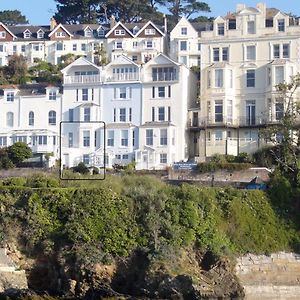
(40, 181)
(81, 168)
(18, 152)
(208, 167)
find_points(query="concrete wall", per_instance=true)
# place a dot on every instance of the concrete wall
(270, 277)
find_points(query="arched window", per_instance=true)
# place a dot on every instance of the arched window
(10, 119)
(52, 117)
(31, 118)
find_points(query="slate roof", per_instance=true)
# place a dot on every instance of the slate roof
(29, 89)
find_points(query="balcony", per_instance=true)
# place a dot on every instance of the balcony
(253, 121)
(82, 79)
(217, 121)
(124, 77)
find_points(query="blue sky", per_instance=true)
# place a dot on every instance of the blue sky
(40, 11)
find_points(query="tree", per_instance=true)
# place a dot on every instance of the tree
(18, 152)
(186, 8)
(12, 17)
(285, 135)
(16, 71)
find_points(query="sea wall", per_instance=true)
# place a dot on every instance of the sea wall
(270, 277)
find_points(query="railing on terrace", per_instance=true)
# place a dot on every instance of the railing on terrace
(124, 77)
(82, 79)
(212, 121)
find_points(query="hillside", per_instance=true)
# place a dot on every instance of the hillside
(136, 236)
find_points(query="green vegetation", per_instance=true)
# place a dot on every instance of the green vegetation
(12, 17)
(92, 221)
(13, 155)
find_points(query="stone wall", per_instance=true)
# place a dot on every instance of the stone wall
(12, 280)
(270, 277)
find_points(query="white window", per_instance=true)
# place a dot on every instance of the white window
(279, 109)
(2, 34)
(149, 137)
(27, 34)
(83, 47)
(101, 32)
(161, 92)
(183, 59)
(3, 141)
(230, 79)
(74, 47)
(85, 94)
(163, 158)
(251, 52)
(221, 29)
(161, 114)
(219, 78)
(59, 46)
(23, 48)
(10, 119)
(279, 74)
(110, 138)
(52, 95)
(86, 138)
(135, 44)
(52, 117)
(229, 111)
(149, 44)
(122, 93)
(31, 118)
(285, 50)
(124, 138)
(163, 137)
(40, 34)
(60, 34)
(251, 27)
(10, 97)
(86, 159)
(183, 45)
(88, 33)
(87, 114)
(150, 31)
(122, 115)
(119, 32)
(40, 140)
(183, 30)
(281, 25)
(250, 77)
(218, 111)
(276, 51)
(225, 54)
(216, 54)
(218, 135)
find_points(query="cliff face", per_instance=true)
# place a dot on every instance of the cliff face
(272, 277)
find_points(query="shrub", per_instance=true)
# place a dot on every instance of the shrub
(81, 168)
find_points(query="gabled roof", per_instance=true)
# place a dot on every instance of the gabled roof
(163, 58)
(123, 26)
(41, 30)
(4, 26)
(147, 24)
(87, 27)
(81, 61)
(122, 60)
(26, 30)
(60, 26)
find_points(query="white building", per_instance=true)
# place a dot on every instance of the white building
(185, 41)
(30, 114)
(242, 60)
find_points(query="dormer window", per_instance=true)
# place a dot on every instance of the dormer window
(135, 30)
(221, 29)
(40, 34)
(281, 25)
(10, 96)
(119, 32)
(52, 95)
(150, 31)
(27, 34)
(60, 34)
(2, 34)
(101, 32)
(251, 27)
(88, 33)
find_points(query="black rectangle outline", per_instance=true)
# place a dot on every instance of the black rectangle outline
(60, 138)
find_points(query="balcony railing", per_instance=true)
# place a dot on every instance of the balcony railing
(124, 77)
(212, 121)
(164, 77)
(82, 79)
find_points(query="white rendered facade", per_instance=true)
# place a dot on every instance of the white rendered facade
(242, 60)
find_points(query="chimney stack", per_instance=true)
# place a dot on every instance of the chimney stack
(165, 24)
(53, 23)
(112, 21)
